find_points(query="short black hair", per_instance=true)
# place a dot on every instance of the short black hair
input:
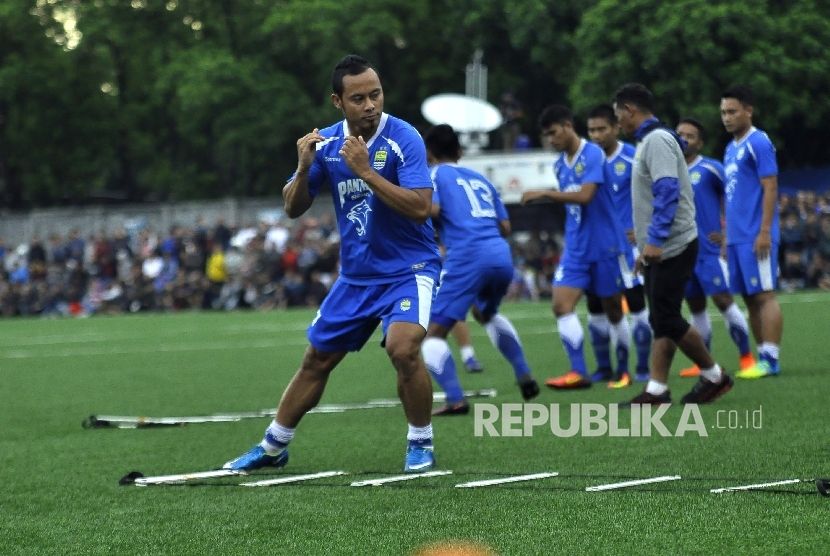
(741, 93)
(701, 131)
(636, 94)
(442, 141)
(349, 65)
(555, 114)
(604, 111)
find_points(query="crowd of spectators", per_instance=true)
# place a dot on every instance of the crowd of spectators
(286, 263)
(804, 251)
(267, 266)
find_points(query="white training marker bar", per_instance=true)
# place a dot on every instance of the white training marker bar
(760, 485)
(294, 479)
(397, 478)
(632, 483)
(181, 479)
(515, 479)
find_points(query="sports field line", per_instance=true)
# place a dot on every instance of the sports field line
(503, 480)
(398, 478)
(614, 486)
(750, 487)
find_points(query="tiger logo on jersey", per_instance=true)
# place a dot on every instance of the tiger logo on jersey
(380, 159)
(360, 216)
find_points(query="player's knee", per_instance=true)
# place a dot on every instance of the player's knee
(404, 355)
(319, 362)
(562, 307)
(673, 327)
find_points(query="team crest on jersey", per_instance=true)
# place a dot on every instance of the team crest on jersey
(579, 169)
(716, 281)
(695, 177)
(619, 168)
(360, 216)
(380, 159)
(741, 152)
(753, 281)
(406, 305)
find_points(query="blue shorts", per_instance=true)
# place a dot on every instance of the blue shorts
(460, 288)
(350, 314)
(708, 278)
(748, 275)
(603, 278)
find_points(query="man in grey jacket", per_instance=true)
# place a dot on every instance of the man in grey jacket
(666, 234)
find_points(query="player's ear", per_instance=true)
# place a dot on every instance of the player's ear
(338, 103)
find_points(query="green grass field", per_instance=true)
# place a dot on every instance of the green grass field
(59, 489)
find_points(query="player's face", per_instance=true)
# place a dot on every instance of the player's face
(558, 136)
(602, 132)
(625, 117)
(736, 117)
(361, 102)
(691, 135)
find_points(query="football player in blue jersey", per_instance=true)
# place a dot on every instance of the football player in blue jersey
(594, 257)
(376, 167)
(709, 277)
(603, 129)
(752, 232)
(477, 269)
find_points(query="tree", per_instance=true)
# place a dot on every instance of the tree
(688, 52)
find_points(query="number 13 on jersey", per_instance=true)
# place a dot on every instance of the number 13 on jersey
(480, 197)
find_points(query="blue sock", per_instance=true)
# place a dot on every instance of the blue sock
(441, 365)
(642, 339)
(506, 339)
(741, 339)
(570, 331)
(738, 328)
(600, 334)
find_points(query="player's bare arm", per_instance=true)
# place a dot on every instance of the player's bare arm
(581, 197)
(504, 228)
(414, 204)
(435, 212)
(297, 198)
(763, 243)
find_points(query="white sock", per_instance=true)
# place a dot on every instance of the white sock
(499, 324)
(656, 388)
(570, 330)
(712, 374)
(621, 333)
(770, 349)
(703, 325)
(600, 323)
(467, 352)
(420, 433)
(733, 316)
(276, 438)
(436, 351)
(642, 316)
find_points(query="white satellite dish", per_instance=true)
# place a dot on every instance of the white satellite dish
(464, 113)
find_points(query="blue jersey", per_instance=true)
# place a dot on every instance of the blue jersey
(377, 245)
(706, 175)
(746, 162)
(593, 232)
(470, 212)
(618, 175)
